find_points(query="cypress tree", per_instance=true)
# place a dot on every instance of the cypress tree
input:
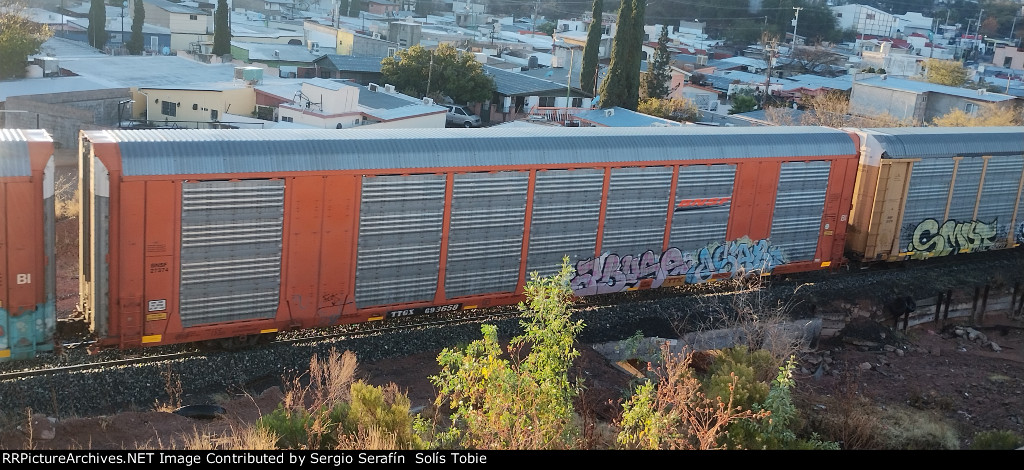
(97, 32)
(221, 29)
(588, 70)
(656, 81)
(135, 43)
(622, 85)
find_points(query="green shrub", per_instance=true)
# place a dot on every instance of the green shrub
(525, 403)
(996, 440)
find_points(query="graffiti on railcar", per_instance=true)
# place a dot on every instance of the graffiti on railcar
(951, 237)
(612, 272)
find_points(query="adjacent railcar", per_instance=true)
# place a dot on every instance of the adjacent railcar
(192, 235)
(28, 315)
(937, 191)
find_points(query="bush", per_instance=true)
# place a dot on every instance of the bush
(522, 404)
(996, 440)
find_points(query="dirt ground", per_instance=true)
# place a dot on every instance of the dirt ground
(964, 384)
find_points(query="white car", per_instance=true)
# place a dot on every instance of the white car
(461, 117)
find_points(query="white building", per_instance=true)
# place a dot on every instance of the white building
(865, 20)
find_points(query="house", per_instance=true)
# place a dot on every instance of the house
(893, 56)
(705, 98)
(1009, 57)
(345, 40)
(382, 7)
(341, 104)
(199, 106)
(517, 93)
(286, 60)
(266, 9)
(189, 26)
(865, 20)
(917, 101)
(620, 117)
(360, 69)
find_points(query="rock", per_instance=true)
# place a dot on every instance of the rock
(975, 335)
(995, 347)
(864, 366)
(40, 427)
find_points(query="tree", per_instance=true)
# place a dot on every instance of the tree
(676, 109)
(673, 411)
(547, 27)
(221, 29)
(19, 38)
(945, 72)
(589, 67)
(425, 7)
(622, 85)
(990, 115)
(136, 44)
(97, 32)
(742, 103)
(417, 71)
(657, 78)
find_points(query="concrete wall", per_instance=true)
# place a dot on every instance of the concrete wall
(64, 114)
(873, 101)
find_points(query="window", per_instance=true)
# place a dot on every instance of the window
(1007, 61)
(213, 114)
(169, 108)
(870, 16)
(839, 15)
(546, 102)
(193, 17)
(287, 119)
(391, 51)
(971, 109)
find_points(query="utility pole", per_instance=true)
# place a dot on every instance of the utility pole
(770, 49)
(795, 21)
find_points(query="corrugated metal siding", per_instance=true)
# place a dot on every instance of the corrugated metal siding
(1018, 219)
(799, 205)
(14, 158)
(965, 189)
(400, 222)
(485, 235)
(937, 142)
(98, 267)
(927, 195)
(695, 227)
(635, 218)
(566, 208)
(213, 151)
(230, 250)
(999, 191)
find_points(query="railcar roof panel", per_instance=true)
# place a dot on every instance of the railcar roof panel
(14, 156)
(934, 142)
(188, 151)
(168, 152)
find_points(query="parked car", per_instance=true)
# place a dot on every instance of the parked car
(459, 116)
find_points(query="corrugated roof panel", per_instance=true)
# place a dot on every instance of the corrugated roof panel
(925, 142)
(190, 151)
(14, 157)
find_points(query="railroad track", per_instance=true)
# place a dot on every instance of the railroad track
(73, 382)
